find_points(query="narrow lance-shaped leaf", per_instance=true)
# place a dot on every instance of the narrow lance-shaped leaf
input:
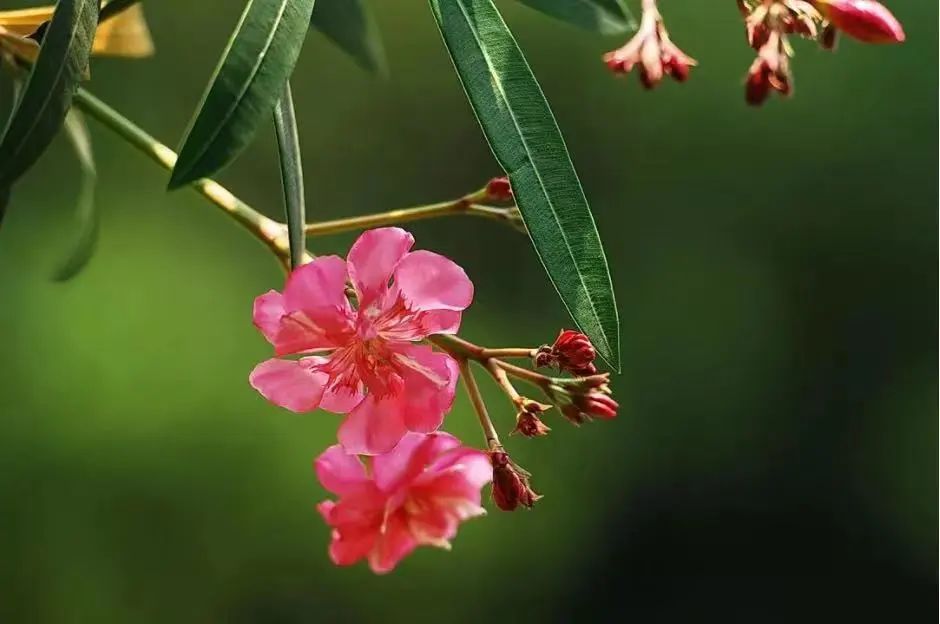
(59, 67)
(525, 139)
(292, 174)
(86, 215)
(245, 86)
(352, 27)
(608, 17)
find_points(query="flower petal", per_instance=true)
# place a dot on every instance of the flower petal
(340, 472)
(373, 258)
(393, 545)
(347, 549)
(317, 284)
(430, 379)
(341, 400)
(409, 458)
(293, 332)
(429, 281)
(472, 465)
(289, 384)
(374, 427)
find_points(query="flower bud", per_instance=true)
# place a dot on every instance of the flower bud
(829, 38)
(769, 71)
(583, 399)
(528, 422)
(499, 190)
(571, 352)
(866, 20)
(510, 483)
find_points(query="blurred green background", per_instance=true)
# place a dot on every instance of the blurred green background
(776, 453)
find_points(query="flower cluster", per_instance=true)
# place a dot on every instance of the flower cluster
(652, 51)
(357, 337)
(769, 24)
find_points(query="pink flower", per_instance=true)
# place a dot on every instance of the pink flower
(866, 20)
(367, 365)
(415, 495)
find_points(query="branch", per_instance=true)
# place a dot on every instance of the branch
(266, 230)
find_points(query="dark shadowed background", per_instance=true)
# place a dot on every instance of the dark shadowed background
(776, 454)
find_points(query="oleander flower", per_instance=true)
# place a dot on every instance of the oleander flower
(366, 363)
(417, 494)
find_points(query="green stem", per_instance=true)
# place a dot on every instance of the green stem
(460, 206)
(479, 406)
(268, 231)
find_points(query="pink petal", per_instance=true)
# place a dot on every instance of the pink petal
(288, 332)
(451, 489)
(429, 281)
(336, 399)
(348, 549)
(392, 546)
(339, 472)
(341, 400)
(433, 525)
(267, 313)
(289, 384)
(360, 509)
(430, 379)
(409, 458)
(312, 314)
(471, 465)
(373, 258)
(374, 427)
(317, 284)
(439, 322)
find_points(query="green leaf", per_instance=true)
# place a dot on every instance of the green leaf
(352, 27)
(608, 17)
(292, 174)
(245, 86)
(525, 139)
(61, 64)
(86, 216)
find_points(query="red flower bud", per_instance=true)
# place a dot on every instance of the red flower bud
(499, 189)
(510, 483)
(584, 399)
(866, 20)
(829, 38)
(571, 352)
(769, 71)
(528, 422)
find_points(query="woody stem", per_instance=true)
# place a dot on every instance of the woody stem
(268, 231)
(463, 206)
(479, 406)
(503, 380)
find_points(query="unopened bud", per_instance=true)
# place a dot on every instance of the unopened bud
(528, 422)
(572, 351)
(499, 190)
(829, 38)
(584, 399)
(866, 20)
(510, 483)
